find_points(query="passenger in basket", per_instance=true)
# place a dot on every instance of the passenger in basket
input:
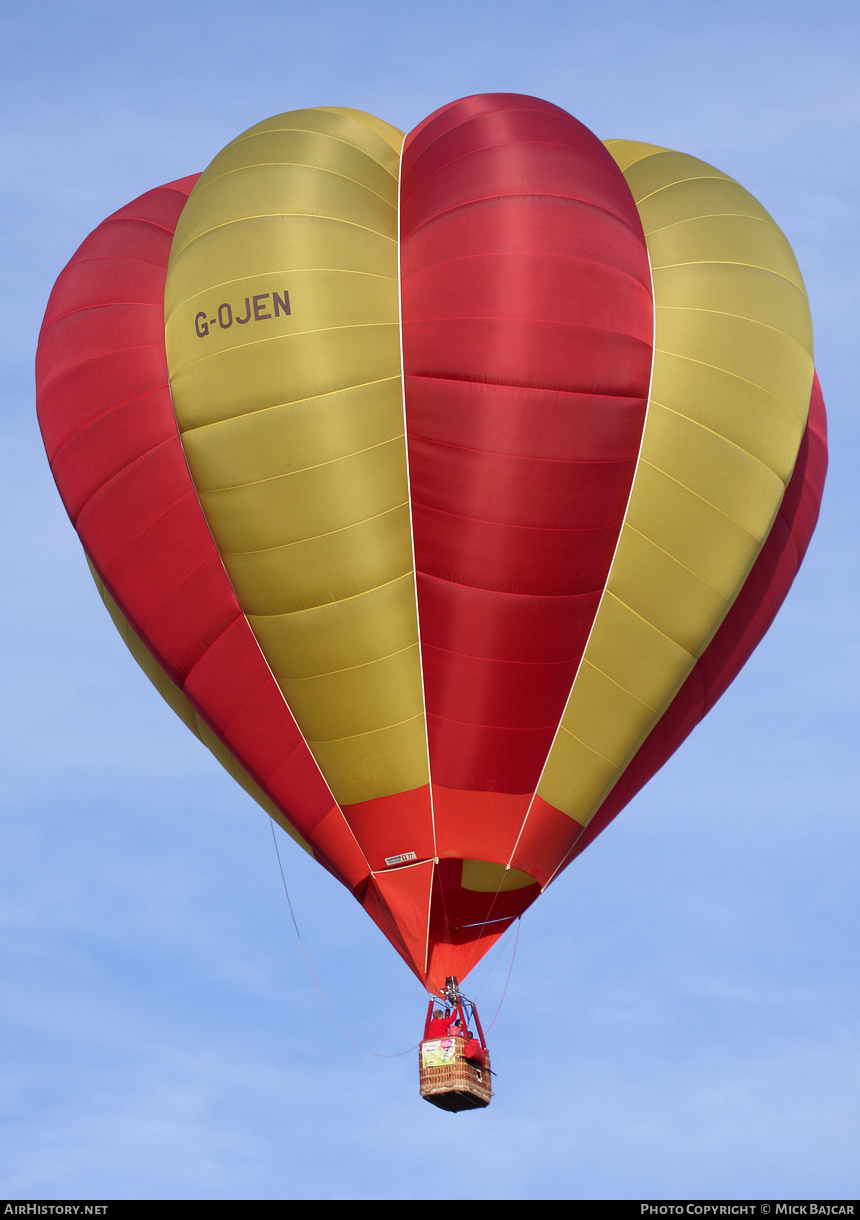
(474, 1052)
(438, 1026)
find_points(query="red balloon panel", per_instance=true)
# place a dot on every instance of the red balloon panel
(527, 361)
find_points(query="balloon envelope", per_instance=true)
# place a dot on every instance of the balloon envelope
(440, 485)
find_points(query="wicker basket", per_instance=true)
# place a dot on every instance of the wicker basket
(448, 1080)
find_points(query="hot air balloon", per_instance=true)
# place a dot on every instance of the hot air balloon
(440, 484)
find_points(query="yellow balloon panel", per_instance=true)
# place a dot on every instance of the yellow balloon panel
(485, 877)
(329, 704)
(720, 239)
(380, 140)
(335, 568)
(613, 709)
(346, 158)
(330, 199)
(264, 309)
(306, 503)
(658, 587)
(634, 654)
(693, 532)
(293, 436)
(577, 775)
(397, 753)
(391, 136)
(286, 368)
(302, 242)
(759, 424)
(766, 358)
(730, 391)
(738, 290)
(283, 342)
(307, 149)
(385, 614)
(685, 451)
(706, 191)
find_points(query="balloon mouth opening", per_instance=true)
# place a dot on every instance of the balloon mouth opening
(438, 920)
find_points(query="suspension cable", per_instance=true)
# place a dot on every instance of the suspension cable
(376, 1054)
(510, 972)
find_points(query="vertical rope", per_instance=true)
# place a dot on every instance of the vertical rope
(376, 1054)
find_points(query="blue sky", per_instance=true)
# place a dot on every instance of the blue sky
(683, 1013)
